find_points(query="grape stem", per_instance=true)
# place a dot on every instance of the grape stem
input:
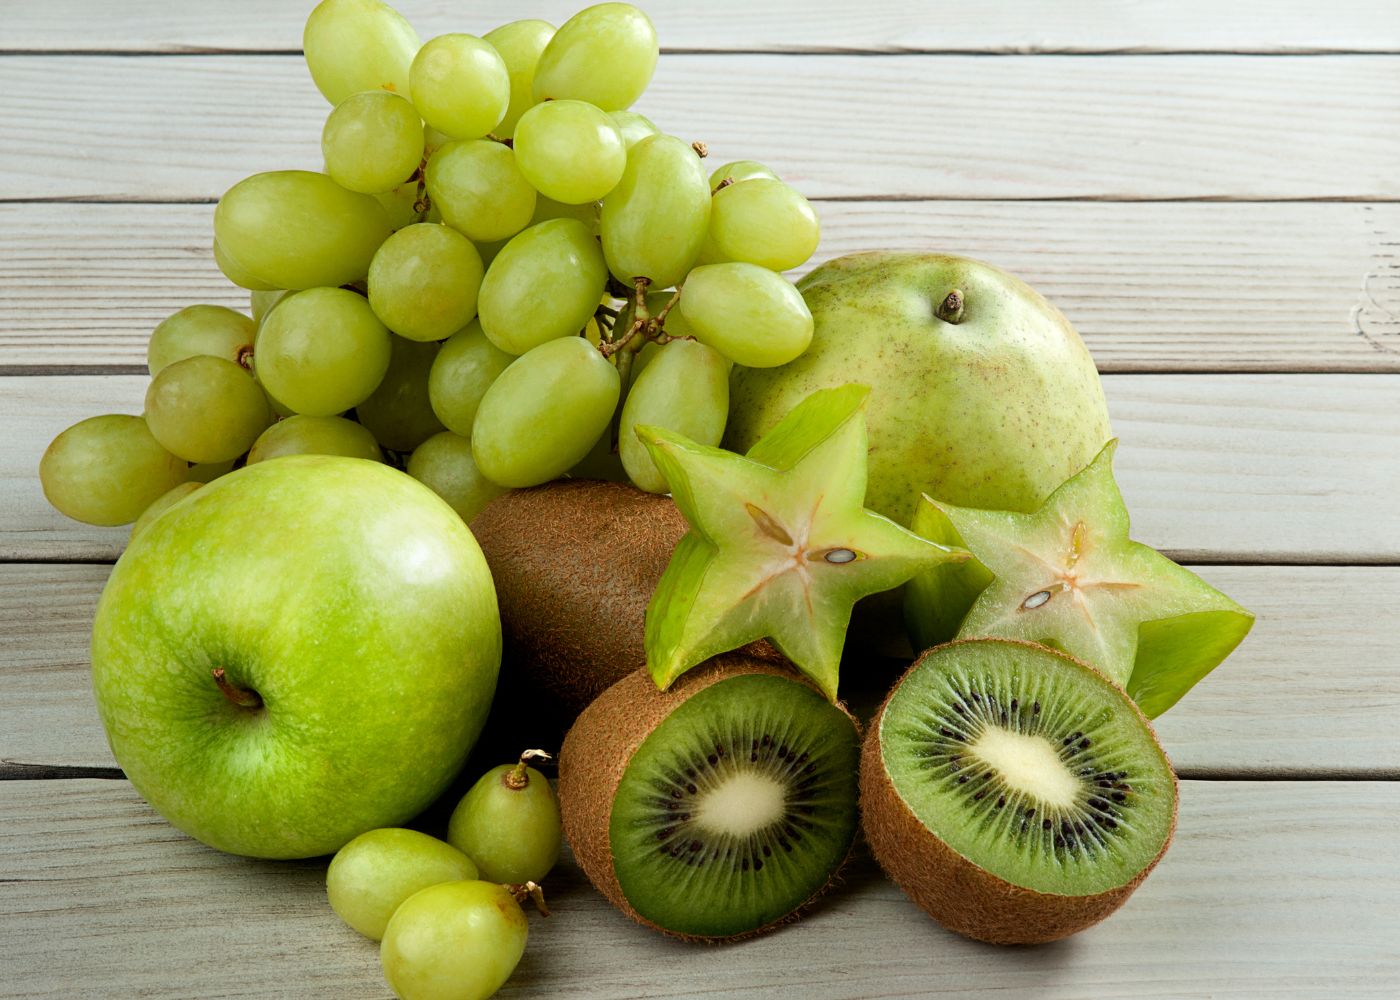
(518, 777)
(421, 202)
(505, 141)
(522, 891)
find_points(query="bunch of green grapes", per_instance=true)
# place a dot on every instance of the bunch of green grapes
(500, 271)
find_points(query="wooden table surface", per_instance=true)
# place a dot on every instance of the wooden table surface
(1210, 191)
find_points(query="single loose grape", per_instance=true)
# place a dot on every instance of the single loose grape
(354, 45)
(322, 351)
(634, 127)
(453, 941)
(206, 409)
(161, 504)
(684, 388)
(764, 222)
(462, 372)
(544, 284)
(542, 415)
(398, 412)
(460, 85)
(423, 282)
(373, 874)
(749, 314)
(304, 435)
(569, 151)
(444, 464)
(372, 142)
(654, 221)
(193, 330)
(479, 189)
(107, 470)
(605, 55)
(520, 44)
(296, 229)
(508, 822)
(739, 170)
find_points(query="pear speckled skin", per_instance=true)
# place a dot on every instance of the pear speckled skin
(997, 406)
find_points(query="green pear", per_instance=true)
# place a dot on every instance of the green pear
(983, 395)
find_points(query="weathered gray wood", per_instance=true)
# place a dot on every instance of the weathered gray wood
(1252, 468)
(1277, 889)
(723, 25)
(188, 127)
(1159, 287)
(1290, 701)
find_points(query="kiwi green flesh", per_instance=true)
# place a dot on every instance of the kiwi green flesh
(1032, 766)
(737, 808)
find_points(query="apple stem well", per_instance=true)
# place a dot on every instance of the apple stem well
(241, 697)
(518, 777)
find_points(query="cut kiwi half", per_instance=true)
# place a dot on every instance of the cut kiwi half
(718, 808)
(1016, 794)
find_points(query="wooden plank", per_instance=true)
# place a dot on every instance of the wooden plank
(724, 25)
(1251, 468)
(1270, 889)
(1314, 691)
(1212, 286)
(1152, 127)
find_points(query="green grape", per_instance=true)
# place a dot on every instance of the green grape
(206, 409)
(424, 280)
(542, 415)
(569, 151)
(444, 464)
(508, 822)
(322, 351)
(207, 472)
(520, 44)
(462, 372)
(453, 941)
(303, 435)
(545, 283)
(193, 330)
(749, 314)
(161, 504)
(461, 85)
(401, 206)
(653, 222)
(739, 170)
(479, 189)
(433, 140)
(234, 272)
(764, 222)
(548, 208)
(107, 470)
(634, 127)
(370, 876)
(604, 55)
(296, 229)
(264, 301)
(684, 388)
(354, 45)
(398, 411)
(372, 142)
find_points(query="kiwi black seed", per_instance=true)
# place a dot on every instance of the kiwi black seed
(1013, 792)
(718, 808)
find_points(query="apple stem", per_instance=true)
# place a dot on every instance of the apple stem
(238, 696)
(518, 777)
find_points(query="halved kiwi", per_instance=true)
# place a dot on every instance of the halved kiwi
(718, 808)
(1016, 794)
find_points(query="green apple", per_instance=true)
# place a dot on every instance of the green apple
(983, 395)
(299, 652)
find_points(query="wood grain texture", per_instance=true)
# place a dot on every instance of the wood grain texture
(1252, 468)
(1246, 903)
(725, 25)
(949, 127)
(1152, 287)
(1285, 703)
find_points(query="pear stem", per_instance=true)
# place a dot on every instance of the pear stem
(238, 696)
(950, 310)
(518, 777)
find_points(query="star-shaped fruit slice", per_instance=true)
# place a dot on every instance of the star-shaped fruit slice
(1068, 576)
(781, 545)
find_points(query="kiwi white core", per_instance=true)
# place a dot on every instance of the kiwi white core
(1029, 764)
(741, 805)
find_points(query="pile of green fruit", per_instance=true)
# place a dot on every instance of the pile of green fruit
(684, 476)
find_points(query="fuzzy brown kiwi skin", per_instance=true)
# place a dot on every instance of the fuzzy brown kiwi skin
(951, 888)
(575, 562)
(600, 745)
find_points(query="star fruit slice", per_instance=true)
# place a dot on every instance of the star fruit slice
(781, 545)
(1068, 576)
